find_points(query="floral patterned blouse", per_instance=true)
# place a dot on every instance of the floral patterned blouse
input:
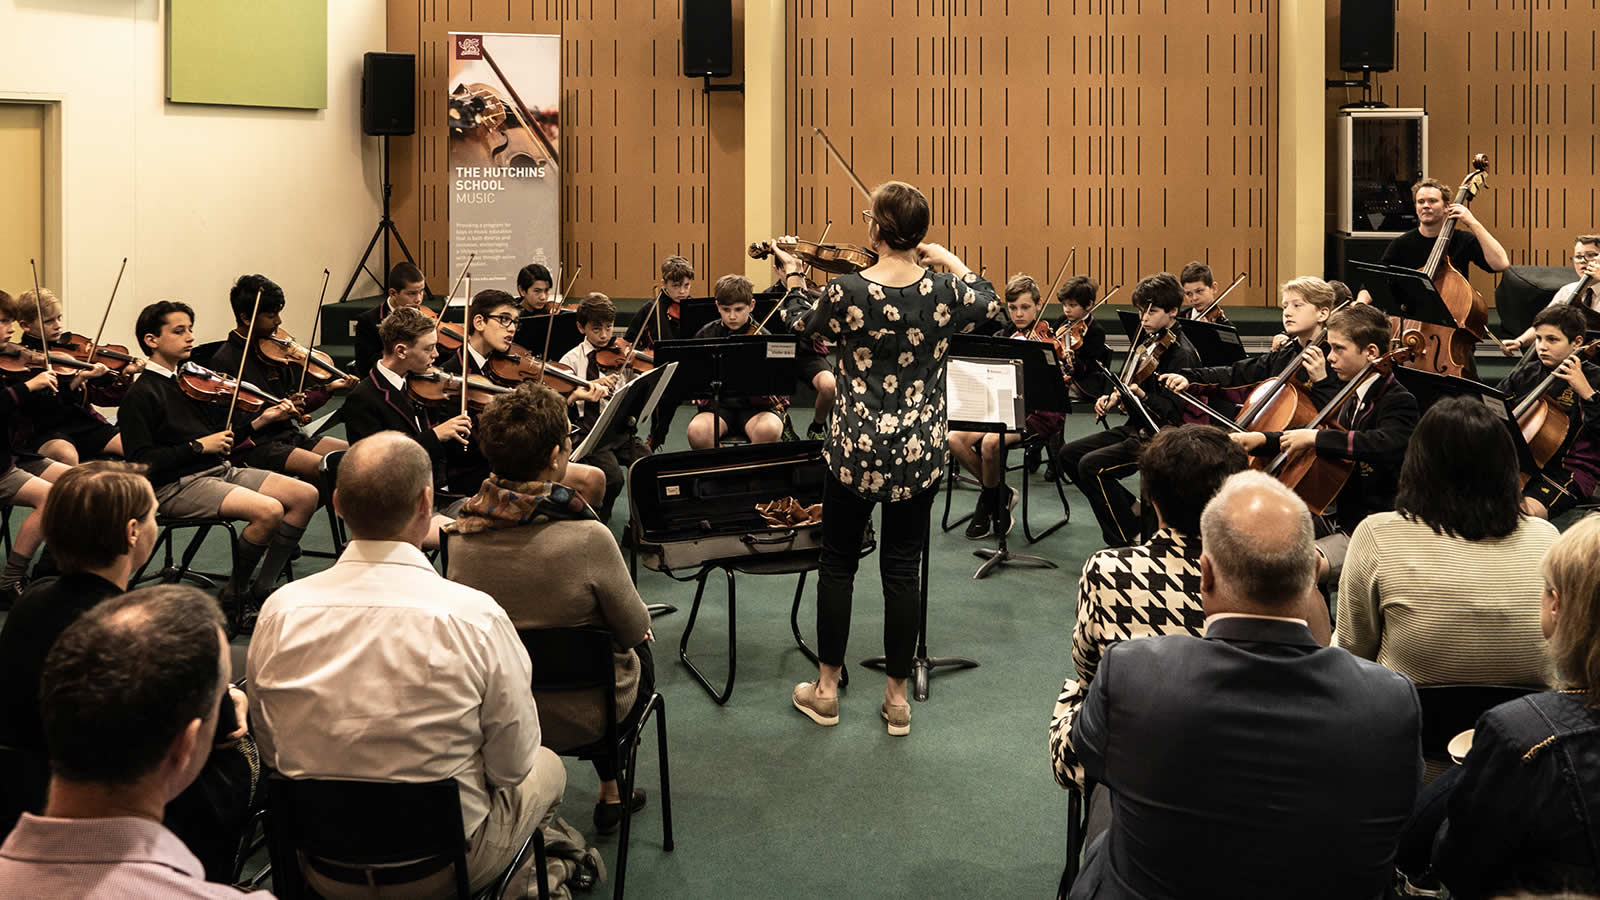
(886, 436)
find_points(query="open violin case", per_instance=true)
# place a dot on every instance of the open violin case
(699, 506)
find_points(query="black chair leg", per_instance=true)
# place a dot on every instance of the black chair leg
(1075, 823)
(666, 780)
(794, 625)
(1027, 525)
(683, 644)
(953, 476)
(625, 791)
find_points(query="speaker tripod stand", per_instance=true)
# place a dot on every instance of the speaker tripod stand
(385, 229)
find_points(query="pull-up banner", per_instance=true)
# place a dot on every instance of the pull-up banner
(504, 96)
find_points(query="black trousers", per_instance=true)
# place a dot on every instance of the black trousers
(901, 538)
(614, 462)
(1097, 463)
(605, 764)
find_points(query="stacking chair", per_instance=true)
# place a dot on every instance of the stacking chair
(1449, 709)
(1028, 444)
(372, 833)
(330, 477)
(1077, 818)
(581, 659)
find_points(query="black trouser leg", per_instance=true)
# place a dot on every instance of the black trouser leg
(1097, 463)
(605, 459)
(844, 521)
(605, 764)
(905, 524)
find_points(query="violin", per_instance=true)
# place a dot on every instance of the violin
(280, 348)
(490, 133)
(1447, 350)
(1544, 426)
(837, 259)
(1318, 479)
(1073, 333)
(113, 356)
(207, 386)
(1142, 363)
(518, 365)
(620, 354)
(435, 388)
(17, 358)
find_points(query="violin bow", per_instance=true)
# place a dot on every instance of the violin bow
(525, 118)
(439, 322)
(244, 357)
(1207, 311)
(38, 304)
(314, 323)
(1056, 284)
(568, 292)
(834, 151)
(1088, 314)
(95, 347)
(805, 276)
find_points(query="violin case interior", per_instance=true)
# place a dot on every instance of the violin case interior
(699, 506)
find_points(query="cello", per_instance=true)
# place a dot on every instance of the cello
(1447, 350)
(1544, 426)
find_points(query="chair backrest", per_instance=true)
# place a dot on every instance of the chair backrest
(330, 466)
(574, 659)
(1449, 709)
(361, 824)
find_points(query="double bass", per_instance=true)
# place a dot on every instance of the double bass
(1447, 350)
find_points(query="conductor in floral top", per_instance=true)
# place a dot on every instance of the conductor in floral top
(892, 323)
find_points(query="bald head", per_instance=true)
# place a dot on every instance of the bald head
(384, 480)
(1257, 536)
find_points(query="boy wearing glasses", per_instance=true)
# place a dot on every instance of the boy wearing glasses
(1585, 262)
(491, 323)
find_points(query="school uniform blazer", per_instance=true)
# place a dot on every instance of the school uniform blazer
(375, 405)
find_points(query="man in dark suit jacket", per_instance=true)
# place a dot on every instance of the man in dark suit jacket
(1252, 762)
(406, 288)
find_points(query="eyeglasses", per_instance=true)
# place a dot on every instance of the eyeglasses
(867, 214)
(1585, 257)
(505, 320)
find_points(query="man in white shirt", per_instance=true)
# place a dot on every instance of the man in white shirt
(121, 748)
(378, 669)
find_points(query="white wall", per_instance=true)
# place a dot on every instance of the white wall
(194, 196)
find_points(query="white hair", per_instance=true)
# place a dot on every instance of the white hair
(1264, 565)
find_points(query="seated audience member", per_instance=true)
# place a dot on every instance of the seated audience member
(130, 696)
(1520, 814)
(1150, 588)
(525, 521)
(758, 420)
(378, 669)
(1445, 588)
(102, 523)
(1253, 762)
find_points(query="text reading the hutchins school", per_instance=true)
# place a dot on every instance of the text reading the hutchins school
(482, 184)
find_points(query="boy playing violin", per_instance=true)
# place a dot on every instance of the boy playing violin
(1076, 297)
(62, 424)
(597, 318)
(1306, 301)
(1097, 463)
(983, 453)
(491, 319)
(185, 444)
(21, 483)
(758, 419)
(1373, 428)
(1199, 290)
(658, 321)
(285, 447)
(1570, 475)
(406, 288)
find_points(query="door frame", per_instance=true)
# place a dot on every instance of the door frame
(54, 149)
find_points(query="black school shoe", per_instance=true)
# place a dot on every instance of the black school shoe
(608, 816)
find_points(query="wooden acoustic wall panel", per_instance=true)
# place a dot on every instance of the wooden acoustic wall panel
(636, 139)
(1190, 105)
(1565, 172)
(874, 74)
(1028, 84)
(1066, 123)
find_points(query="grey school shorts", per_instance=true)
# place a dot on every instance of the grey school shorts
(199, 496)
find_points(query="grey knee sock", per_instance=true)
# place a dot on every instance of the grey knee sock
(283, 544)
(249, 554)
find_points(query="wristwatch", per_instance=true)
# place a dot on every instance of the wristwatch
(196, 446)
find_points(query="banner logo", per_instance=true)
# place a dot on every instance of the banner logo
(469, 46)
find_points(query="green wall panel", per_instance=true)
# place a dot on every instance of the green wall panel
(248, 52)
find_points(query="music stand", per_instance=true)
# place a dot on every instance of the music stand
(696, 313)
(1405, 294)
(1130, 401)
(563, 329)
(922, 665)
(622, 413)
(1429, 388)
(1217, 344)
(764, 364)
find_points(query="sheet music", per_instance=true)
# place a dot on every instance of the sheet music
(977, 391)
(657, 382)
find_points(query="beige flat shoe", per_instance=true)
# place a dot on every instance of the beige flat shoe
(820, 711)
(898, 715)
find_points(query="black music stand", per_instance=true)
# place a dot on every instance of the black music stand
(1130, 401)
(922, 665)
(562, 328)
(1405, 294)
(764, 365)
(1038, 388)
(1217, 344)
(696, 313)
(1429, 388)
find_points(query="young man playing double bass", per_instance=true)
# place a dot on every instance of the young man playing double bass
(1375, 424)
